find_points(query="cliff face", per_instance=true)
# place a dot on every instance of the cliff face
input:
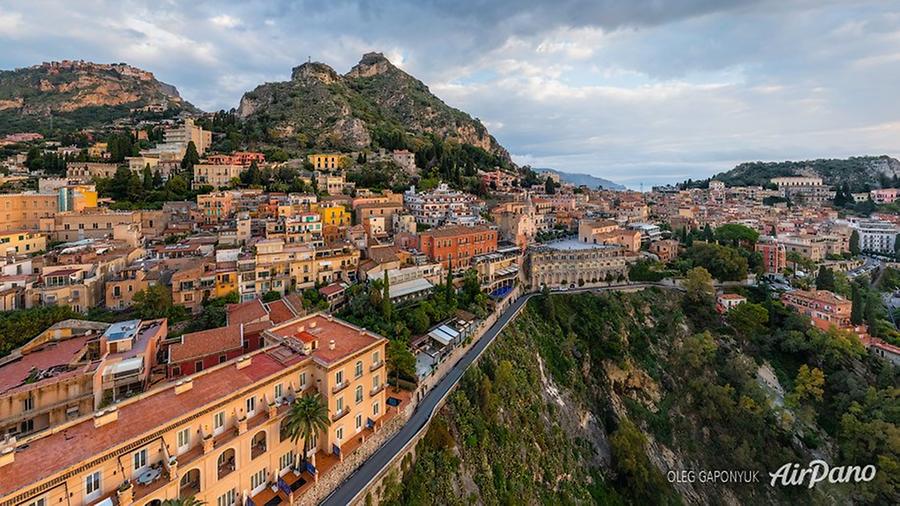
(80, 94)
(597, 398)
(321, 107)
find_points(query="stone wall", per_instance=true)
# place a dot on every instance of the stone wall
(337, 474)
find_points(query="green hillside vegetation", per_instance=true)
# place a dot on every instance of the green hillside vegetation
(860, 173)
(582, 396)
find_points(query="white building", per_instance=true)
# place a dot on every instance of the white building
(876, 235)
(442, 205)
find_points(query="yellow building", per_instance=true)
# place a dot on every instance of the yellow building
(335, 215)
(98, 150)
(22, 243)
(226, 279)
(23, 211)
(328, 161)
(217, 176)
(219, 435)
(77, 197)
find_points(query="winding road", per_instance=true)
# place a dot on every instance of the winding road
(357, 483)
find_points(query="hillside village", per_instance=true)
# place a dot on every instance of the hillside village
(152, 266)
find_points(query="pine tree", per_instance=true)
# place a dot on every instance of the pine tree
(191, 157)
(825, 279)
(386, 307)
(147, 177)
(856, 310)
(854, 243)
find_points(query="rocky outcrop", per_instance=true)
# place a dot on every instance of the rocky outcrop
(320, 106)
(64, 89)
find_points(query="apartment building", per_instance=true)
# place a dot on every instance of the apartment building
(455, 246)
(666, 249)
(92, 224)
(440, 205)
(76, 286)
(608, 232)
(121, 288)
(498, 271)
(885, 195)
(242, 158)
(24, 211)
(218, 435)
(808, 190)
(193, 282)
(774, 254)
(823, 307)
(384, 210)
(89, 171)
(216, 207)
(76, 197)
(876, 236)
(49, 380)
(328, 161)
(217, 176)
(571, 263)
(22, 243)
(188, 132)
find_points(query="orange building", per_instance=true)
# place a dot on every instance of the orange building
(823, 307)
(456, 245)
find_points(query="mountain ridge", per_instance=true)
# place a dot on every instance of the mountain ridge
(579, 179)
(79, 94)
(375, 103)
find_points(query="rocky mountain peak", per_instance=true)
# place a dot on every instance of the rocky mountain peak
(370, 65)
(315, 71)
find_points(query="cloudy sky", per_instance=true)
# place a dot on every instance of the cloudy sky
(639, 91)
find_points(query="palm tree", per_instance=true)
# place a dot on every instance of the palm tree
(183, 501)
(308, 416)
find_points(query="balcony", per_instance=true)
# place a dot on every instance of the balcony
(377, 365)
(340, 414)
(376, 390)
(340, 386)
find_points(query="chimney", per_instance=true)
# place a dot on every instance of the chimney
(106, 416)
(312, 325)
(331, 344)
(183, 386)
(243, 362)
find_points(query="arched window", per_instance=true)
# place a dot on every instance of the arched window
(190, 484)
(226, 463)
(258, 444)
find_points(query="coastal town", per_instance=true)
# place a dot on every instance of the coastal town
(248, 327)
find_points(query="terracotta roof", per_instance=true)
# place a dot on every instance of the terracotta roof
(56, 353)
(456, 230)
(55, 452)
(332, 289)
(206, 342)
(279, 311)
(348, 339)
(245, 312)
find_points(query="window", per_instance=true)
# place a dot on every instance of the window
(359, 394)
(26, 426)
(226, 499)
(258, 478)
(223, 359)
(219, 421)
(278, 391)
(286, 460)
(251, 405)
(376, 381)
(302, 380)
(184, 438)
(339, 404)
(358, 421)
(198, 366)
(375, 409)
(339, 378)
(339, 433)
(140, 459)
(359, 368)
(28, 403)
(376, 357)
(92, 486)
(38, 502)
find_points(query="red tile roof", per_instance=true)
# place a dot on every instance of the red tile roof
(54, 453)
(279, 311)
(245, 312)
(206, 342)
(58, 353)
(348, 339)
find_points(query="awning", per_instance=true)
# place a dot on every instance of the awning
(449, 331)
(410, 287)
(124, 367)
(440, 337)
